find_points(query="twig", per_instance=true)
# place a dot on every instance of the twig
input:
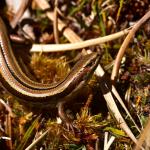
(77, 45)
(114, 91)
(115, 112)
(37, 140)
(55, 23)
(7, 108)
(107, 143)
(8, 123)
(125, 44)
(8, 130)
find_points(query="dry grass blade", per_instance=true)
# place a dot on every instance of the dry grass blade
(114, 91)
(55, 23)
(8, 129)
(108, 142)
(115, 112)
(28, 134)
(7, 108)
(113, 107)
(37, 140)
(77, 45)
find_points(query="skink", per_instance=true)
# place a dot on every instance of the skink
(38, 94)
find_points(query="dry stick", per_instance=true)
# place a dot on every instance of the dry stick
(20, 12)
(100, 72)
(108, 142)
(125, 44)
(8, 125)
(37, 140)
(8, 130)
(72, 37)
(7, 108)
(113, 107)
(55, 23)
(78, 45)
(144, 135)
(114, 91)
